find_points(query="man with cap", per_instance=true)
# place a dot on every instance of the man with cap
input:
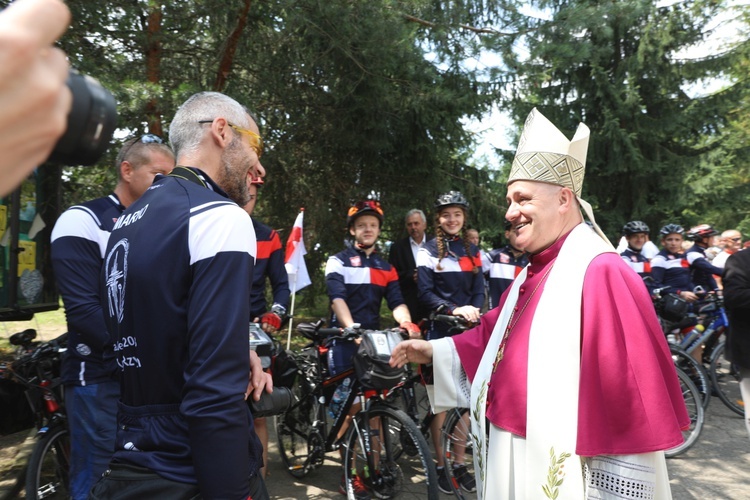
(572, 370)
(504, 264)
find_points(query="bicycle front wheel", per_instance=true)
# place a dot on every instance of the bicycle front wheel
(695, 411)
(725, 377)
(458, 453)
(389, 477)
(47, 473)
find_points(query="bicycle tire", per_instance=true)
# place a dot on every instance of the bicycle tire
(697, 372)
(725, 378)
(295, 433)
(455, 434)
(47, 474)
(695, 411)
(409, 477)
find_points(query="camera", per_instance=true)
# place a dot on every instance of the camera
(275, 403)
(91, 123)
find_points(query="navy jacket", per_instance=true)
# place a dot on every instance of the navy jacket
(362, 282)
(454, 285)
(638, 263)
(702, 270)
(79, 240)
(504, 267)
(176, 297)
(269, 263)
(671, 270)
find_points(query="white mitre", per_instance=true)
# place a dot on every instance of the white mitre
(544, 154)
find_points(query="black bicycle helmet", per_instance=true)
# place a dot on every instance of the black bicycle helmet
(365, 207)
(634, 227)
(697, 233)
(671, 229)
(451, 198)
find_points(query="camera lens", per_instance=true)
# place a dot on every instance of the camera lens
(91, 123)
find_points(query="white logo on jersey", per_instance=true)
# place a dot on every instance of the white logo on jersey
(116, 269)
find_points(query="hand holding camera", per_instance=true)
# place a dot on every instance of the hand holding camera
(34, 101)
(43, 103)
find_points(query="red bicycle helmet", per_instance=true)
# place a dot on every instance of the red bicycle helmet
(365, 207)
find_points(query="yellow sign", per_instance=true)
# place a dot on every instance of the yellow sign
(3, 220)
(26, 256)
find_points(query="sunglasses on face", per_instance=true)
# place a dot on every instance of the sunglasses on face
(360, 205)
(255, 140)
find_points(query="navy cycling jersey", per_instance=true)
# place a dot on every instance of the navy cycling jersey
(452, 282)
(671, 271)
(702, 270)
(504, 266)
(176, 295)
(269, 263)
(638, 263)
(362, 282)
(79, 240)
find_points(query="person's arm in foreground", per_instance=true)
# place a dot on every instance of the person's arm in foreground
(34, 100)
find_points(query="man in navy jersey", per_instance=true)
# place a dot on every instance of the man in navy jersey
(269, 263)
(701, 269)
(670, 268)
(357, 280)
(176, 304)
(79, 239)
(636, 234)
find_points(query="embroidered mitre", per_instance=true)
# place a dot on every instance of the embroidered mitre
(544, 154)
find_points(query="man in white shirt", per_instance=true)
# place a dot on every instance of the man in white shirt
(403, 256)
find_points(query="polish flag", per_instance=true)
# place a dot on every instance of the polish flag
(295, 256)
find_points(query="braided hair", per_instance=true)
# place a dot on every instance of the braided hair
(441, 237)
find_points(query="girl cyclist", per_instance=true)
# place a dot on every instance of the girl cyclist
(450, 280)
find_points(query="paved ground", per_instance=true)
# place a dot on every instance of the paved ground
(716, 467)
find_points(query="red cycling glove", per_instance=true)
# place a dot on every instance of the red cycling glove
(272, 319)
(410, 328)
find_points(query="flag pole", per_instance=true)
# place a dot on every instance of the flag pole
(291, 313)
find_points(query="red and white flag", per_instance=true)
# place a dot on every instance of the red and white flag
(295, 257)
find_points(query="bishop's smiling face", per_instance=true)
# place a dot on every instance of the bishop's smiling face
(534, 211)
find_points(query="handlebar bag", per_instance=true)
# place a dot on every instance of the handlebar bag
(673, 307)
(371, 361)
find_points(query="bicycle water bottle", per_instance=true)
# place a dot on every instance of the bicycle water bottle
(692, 336)
(339, 397)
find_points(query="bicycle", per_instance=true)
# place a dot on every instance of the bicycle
(372, 441)
(683, 330)
(456, 429)
(37, 368)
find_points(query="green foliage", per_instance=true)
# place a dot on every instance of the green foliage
(614, 66)
(349, 104)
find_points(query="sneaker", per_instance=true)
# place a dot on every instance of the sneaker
(464, 478)
(444, 484)
(360, 492)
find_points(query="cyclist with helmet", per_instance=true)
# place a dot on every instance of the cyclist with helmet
(670, 268)
(357, 280)
(701, 269)
(450, 279)
(505, 264)
(636, 234)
